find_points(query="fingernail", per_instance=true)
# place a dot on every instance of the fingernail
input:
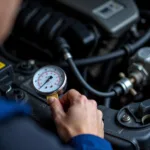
(51, 100)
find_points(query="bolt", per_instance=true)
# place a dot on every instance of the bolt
(126, 118)
(122, 75)
(31, 62)
(133, 92)
(133, 80)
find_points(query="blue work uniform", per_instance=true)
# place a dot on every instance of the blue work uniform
(18, 132)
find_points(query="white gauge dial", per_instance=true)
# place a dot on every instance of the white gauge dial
(49, 79)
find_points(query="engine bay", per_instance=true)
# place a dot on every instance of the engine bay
(103, 48)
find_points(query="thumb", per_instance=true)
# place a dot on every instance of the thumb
(56, 107)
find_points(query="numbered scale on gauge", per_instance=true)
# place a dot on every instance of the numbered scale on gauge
(50, 81)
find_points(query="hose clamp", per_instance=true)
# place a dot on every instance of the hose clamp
(67, 56)
(125, 84)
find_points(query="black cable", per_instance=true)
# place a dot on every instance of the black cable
(85, 84)
(63, 47)
(131, 49)
(107, 100)
(97, 37)
(85, 74)
(95, 46)
(97, 59)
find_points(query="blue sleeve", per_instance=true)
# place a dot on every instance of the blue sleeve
(81, 142)
(90, 142)
(10, 109)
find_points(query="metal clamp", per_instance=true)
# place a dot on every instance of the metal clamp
(127, 84)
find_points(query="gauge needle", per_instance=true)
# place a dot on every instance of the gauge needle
(50, 77)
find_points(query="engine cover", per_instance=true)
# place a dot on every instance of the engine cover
(114, 17)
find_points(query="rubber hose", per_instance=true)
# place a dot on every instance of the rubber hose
(140, 42)
(132, 48)
(107, 100)
(85, 84)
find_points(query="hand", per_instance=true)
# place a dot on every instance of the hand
(74, 114)
(8, 12)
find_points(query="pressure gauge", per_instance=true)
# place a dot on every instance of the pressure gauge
(50, 80)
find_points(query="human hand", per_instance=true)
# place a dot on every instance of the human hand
(74, 114)
(8, 12)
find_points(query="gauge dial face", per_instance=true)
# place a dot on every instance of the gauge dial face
(49, 79)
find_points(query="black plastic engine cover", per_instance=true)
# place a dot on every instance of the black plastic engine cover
(122, 137)
(114, 17)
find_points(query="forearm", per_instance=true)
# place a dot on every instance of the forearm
(8, 13)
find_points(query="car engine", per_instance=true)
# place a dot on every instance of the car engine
(102, 46)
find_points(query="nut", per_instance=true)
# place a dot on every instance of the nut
(126, 118)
